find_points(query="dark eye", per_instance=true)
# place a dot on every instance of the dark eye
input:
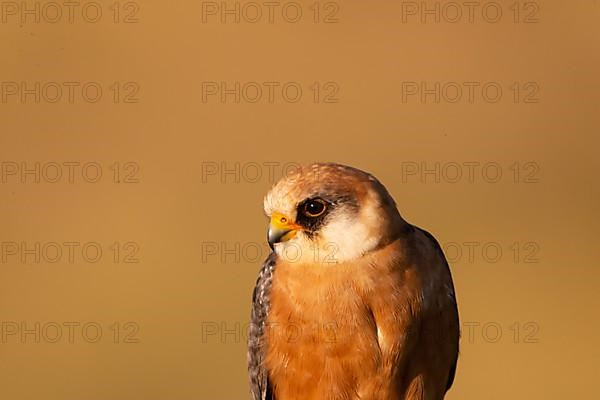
(315, 208)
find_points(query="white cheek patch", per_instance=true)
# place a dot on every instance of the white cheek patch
(303, 251)
(340, 240)
(347, 239)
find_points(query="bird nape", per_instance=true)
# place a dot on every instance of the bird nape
(353, 302)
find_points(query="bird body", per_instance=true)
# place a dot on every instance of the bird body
(364, 308)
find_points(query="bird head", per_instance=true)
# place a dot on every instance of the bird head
(329, 213)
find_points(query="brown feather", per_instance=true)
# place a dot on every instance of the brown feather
(324, 323)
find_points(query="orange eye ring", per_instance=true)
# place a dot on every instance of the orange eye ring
(315, 208)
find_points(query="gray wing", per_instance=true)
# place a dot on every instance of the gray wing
(259, 380)
(452, 326)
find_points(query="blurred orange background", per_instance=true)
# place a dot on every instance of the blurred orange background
(138, 140)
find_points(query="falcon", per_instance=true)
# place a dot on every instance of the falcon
(353, 302)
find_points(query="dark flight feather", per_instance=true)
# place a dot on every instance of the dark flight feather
(259, 379)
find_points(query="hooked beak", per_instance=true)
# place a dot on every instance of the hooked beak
(281, 229)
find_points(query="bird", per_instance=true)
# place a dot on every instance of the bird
(352, 302)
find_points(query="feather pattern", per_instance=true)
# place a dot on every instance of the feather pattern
(259, 380)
